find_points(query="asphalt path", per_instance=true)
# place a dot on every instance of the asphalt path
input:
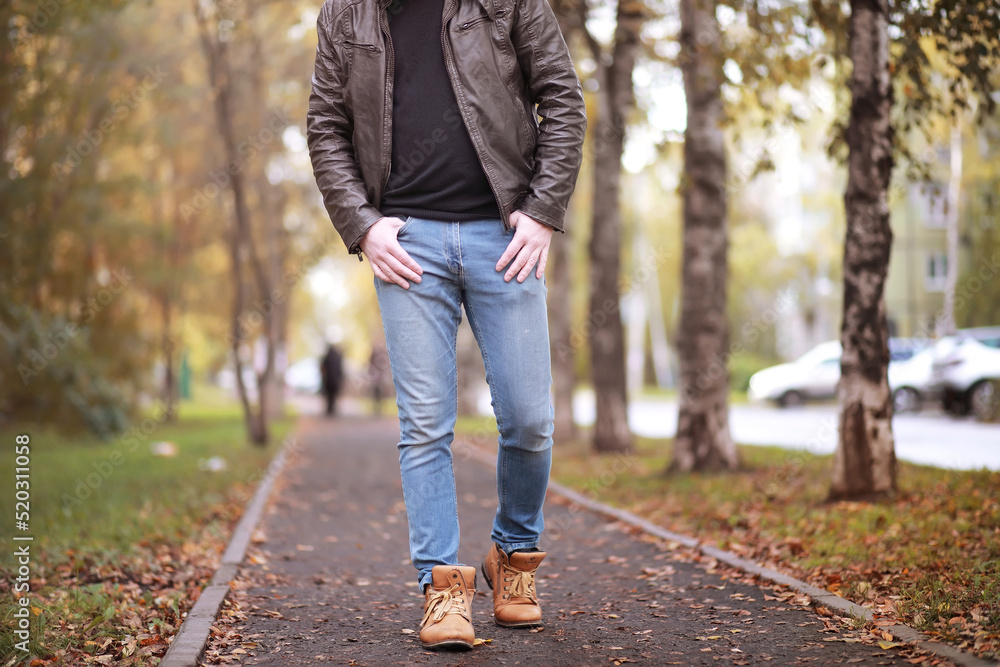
(328, 581)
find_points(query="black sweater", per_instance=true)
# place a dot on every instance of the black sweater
(435, 172)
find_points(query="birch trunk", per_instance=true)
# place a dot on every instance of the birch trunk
(703, 440)
(607, 336)
(865, 461)
(560, 336)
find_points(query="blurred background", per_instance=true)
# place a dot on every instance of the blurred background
(162, 237)
(757, 187)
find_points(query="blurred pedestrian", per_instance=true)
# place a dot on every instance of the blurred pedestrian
(426, 141)
(378, 372)
(331, 368)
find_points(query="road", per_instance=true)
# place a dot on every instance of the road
(930, 438)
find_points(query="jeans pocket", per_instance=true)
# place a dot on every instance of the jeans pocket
(406, 224)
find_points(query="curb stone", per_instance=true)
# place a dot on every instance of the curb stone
(189, 643)
(820, 597)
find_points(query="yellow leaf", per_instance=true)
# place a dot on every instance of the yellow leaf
(886, 645)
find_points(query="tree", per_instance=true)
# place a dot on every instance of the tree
(865, 461)
(965, 34)
(614, 101)
(213, 28)
(73, 341)
(560, 336)
(703, 440)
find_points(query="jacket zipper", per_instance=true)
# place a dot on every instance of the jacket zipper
(387, 101)
(450, 65)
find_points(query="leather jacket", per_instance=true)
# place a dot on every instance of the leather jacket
(508, 66)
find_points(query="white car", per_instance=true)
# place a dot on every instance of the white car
(304, 376)
(911, 382)
(966, 372)
(814, 375)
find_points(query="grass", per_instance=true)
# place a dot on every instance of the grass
(124, 538)
(929, 557)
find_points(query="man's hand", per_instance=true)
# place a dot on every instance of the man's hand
(530, 246)
(389, 261)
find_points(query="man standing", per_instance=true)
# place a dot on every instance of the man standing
(446, 137)
(331, 370)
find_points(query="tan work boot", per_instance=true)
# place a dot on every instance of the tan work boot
(512, 578)
(447, 622)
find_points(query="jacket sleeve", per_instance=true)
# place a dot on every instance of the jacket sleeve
(329, 131)
(554, 86)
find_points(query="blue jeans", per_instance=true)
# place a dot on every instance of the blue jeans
(510, 323)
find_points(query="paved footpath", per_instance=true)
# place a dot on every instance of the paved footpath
(332, 583)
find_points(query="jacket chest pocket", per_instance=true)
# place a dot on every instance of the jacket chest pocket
(483, 20)
(362, 46)
(363, 59)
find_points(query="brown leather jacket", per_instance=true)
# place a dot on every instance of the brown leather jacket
(508, 65)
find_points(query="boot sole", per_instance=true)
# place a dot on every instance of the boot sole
(522, 624)
(502, 624)
(449, 645)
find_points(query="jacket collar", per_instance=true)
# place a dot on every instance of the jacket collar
(486, 4)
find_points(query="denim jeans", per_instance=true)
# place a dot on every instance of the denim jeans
(510, 324)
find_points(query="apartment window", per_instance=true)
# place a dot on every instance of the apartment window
(987, 219)
(930, 203)
(936, 272)
(937, 207)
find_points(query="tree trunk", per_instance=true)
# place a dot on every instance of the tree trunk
(607, 336)
(947, 325)
(560, 337)
(169, 375)
(703, 440)
(865, 461)
(471, 372)
(242, 245)
(165, 294)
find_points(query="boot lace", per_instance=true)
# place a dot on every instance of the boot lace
(523, 585)
(448, 601)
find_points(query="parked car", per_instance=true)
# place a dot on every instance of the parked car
(902, 349)
(304, 376)
(911, 381)
(966, 373)
(814, 375)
